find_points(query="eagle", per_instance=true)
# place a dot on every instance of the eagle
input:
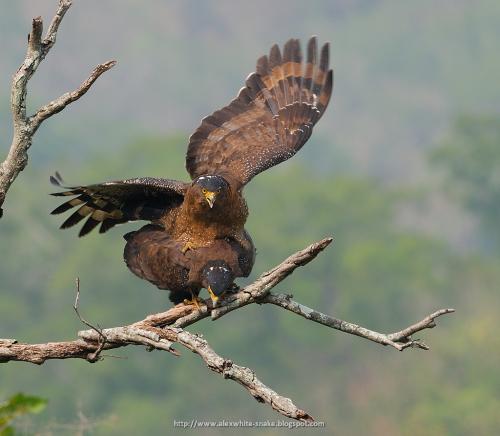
(268, 122)
(151, 254)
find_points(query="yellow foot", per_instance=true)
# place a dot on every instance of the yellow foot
(195, 301)
(187, 246)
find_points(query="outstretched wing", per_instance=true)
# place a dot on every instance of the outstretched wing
(271, 118)
(112, 203)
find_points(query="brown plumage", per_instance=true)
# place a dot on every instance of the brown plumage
(268, 122)
(152, 255)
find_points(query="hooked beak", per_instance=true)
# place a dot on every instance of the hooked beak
(210, 197)
(212, 295)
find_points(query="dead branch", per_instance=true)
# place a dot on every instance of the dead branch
(244, 376)
(399, 340)
(25, 126)
(162, 330)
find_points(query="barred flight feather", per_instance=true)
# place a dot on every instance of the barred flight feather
(112, 203)
(271, 118)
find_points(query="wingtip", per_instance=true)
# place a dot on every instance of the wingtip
(274, 56)
(312, 48)
(297, 51)
(54, 181)
(329, 80)
(288, 50)
(324, 57)
(262, 67)
(88, 226)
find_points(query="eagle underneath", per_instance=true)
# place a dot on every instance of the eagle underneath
(152, 255)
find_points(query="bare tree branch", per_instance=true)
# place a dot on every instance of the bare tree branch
(64, 100)
(404, 336)
(26, 126)
(244, 376)
(162, 330)
(50, 37)
(399, 340)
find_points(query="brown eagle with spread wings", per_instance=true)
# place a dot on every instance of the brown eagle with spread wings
(267, 123)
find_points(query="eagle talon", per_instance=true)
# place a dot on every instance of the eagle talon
(187, 246)
(194, 301)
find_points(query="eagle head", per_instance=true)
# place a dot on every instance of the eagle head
(212, 187)
(217, 277)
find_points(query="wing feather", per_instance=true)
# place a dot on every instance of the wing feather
(112, 203)
(271, 118)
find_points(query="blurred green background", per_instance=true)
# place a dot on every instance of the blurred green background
(403, 170)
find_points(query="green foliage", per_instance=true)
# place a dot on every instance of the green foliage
(18, 405)
(471, 160)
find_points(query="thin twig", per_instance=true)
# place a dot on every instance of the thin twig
(92, 357)
(400, 340)
(64, 100)
(50, 37)
(404, 336)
